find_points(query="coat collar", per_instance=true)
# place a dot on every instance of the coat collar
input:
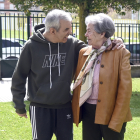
(89, 49)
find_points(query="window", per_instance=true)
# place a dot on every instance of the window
(1, 5)
(1, 0)
(11, 6)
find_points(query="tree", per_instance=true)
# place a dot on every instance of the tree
(82, 7)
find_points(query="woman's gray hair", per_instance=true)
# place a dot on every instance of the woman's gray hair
(53, 18)
(101, 23)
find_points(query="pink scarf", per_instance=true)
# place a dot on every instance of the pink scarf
(90, 63)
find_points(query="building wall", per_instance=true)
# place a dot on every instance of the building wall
(7, 5)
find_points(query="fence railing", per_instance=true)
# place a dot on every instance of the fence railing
(130, 32)
(16, 28)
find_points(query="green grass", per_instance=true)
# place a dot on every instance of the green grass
(133, 127)
(14, 34)
(13, 127)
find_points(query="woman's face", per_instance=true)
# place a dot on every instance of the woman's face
(95, 39)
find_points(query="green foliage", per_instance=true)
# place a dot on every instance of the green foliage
(45, 5)
(90, 6)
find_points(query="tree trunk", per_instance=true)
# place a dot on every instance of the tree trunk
(82, 26)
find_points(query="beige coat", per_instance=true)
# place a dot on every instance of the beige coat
(115, 88)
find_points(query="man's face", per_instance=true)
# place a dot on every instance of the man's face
(64, 31)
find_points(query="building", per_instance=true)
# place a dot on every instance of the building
(6, 4)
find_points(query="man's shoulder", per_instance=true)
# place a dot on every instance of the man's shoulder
(70, 37)
(27, 44)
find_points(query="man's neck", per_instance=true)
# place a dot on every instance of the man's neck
(49, 37)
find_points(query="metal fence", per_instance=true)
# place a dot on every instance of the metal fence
(16, 28)
(130, 32)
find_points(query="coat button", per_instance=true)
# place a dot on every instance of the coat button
(101, 82)
(98, 61)
(102, 66)
(99, 100)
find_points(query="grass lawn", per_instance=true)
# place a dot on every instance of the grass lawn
(13, 127)
(14, 34)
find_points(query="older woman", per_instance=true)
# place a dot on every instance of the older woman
(103, 84)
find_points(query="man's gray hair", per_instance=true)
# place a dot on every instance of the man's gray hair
(101, 23)
(53, 18)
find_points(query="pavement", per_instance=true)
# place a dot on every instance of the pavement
(5, 90)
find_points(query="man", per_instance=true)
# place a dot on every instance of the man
(48, 60)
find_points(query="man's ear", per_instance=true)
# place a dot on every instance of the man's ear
(52, 31)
